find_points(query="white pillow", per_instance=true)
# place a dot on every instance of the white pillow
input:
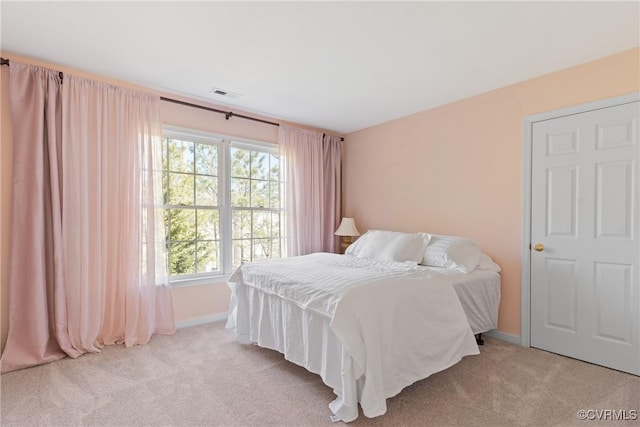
(452, 252)
(486, 263)
(394, 246)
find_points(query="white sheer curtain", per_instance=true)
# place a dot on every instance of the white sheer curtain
(114, 259)
(311, 168)
(87, 257)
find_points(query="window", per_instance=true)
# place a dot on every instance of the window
(222, 203)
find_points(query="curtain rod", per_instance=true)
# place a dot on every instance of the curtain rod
(227, 114)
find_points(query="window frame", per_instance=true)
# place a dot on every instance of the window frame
(225, 209)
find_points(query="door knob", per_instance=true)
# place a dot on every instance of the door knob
(538, 247)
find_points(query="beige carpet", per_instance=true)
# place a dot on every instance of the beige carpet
(201, 377)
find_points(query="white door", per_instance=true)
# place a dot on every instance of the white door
(585, 256)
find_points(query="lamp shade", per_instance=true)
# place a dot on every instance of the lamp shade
(347, 228)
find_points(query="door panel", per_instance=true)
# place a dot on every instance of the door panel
(561, 201)
(561, 289)
(614, 199)
(585, 283)
(613, 302)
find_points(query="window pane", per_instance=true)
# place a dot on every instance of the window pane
(275, 168)
(274, 201)
(165, 187)
(241, 252)
(208, 224)
(158, 176)
(180, 189)
(240, 162)
(182, 258)
(261, 249)
(207, 159)
(208, 257)
(167, 220)
(261, 224)
(241, 224)
(183, 224)
(180, 155)
(165, 162)
(239, 192)
(275, 224)
(259, 165)
(275, 248)
(259, 194)
(206, 191)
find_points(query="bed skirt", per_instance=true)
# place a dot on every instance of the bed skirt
(304, 338)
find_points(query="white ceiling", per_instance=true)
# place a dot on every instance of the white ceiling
(340, 66)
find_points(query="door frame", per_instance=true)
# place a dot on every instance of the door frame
(529, 121)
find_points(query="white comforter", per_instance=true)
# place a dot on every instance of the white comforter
(396, 322)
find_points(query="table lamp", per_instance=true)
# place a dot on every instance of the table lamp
(347, 230)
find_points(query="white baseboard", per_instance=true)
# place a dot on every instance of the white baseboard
(513, 339)
(218, 317)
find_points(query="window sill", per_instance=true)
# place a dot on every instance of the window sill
(199, 281)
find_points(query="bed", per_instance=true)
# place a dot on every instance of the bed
(369, 326)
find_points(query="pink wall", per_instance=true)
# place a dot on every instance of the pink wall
(457, 169)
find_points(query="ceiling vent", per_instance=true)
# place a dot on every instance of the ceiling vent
(226, 93)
